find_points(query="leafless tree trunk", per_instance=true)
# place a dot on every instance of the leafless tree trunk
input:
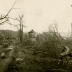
(20, 19)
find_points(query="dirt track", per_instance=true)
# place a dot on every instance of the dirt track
(4, 62)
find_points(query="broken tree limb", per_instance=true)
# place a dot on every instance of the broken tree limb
(66, 51)
(8, 12)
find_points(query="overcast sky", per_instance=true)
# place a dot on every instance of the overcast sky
(39, 14)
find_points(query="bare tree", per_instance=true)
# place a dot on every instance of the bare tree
(20, 25)
(20, 20)
(6, 19)
(53, 28)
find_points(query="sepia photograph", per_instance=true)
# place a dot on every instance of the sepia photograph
(35, 35)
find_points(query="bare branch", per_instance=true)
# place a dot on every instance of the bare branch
(16, 8)
(12, 24)
(13, 18)
(3, 22)
(8, 12)
(24, 26)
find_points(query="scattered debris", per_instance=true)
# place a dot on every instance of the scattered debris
(3, 55)
(19, 59)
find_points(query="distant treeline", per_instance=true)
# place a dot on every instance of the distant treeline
(8, 33)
